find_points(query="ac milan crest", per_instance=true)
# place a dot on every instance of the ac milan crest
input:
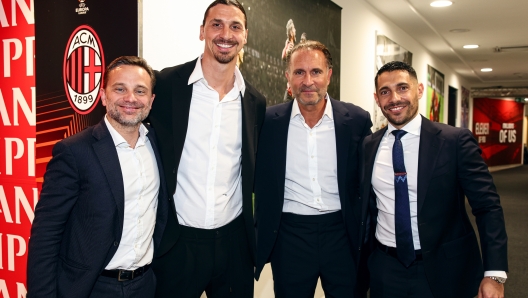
(83, 69)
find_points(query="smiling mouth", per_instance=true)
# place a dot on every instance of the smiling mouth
(225, 46)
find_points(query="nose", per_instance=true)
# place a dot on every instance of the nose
(395, 96)
(225, 32)
(308, 80)
(129, 96)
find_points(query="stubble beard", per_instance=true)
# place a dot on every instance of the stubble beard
(225, 58)
(119, 118)
(409, 115)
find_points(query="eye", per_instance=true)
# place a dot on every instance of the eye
(298, 72)
(119, 89)
(236, 27)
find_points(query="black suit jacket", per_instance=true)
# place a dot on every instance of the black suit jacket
(79, 217)
(351, 124)
(450, 167)
(170, 117)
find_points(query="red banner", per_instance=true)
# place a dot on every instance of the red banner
(18, 191)
(498, 127)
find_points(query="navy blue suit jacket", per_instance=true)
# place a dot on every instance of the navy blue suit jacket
(351, 124)
(450, 168)
(79, 218)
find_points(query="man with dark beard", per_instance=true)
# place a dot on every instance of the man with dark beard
(417, 174)
(103, 206)
(307, 178)
(209, 120)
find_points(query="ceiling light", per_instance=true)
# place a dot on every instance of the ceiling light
(471, 46)
(486, 69)
(459, 30)
(441, 3)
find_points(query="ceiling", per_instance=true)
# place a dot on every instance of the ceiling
(491, 24)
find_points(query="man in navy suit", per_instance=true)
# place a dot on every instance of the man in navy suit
(307, 176)
(103, 207)
(417, 174)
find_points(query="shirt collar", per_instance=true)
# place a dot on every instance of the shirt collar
(413, 127)
(197, 75)
(329, 112)
(118, 139)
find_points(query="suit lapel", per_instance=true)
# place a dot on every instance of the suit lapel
(430, 147)
(248, 122)
(107, 154)
(343, 130)
(182, 95)
(369, 152)
(161, 212)
(281, 122)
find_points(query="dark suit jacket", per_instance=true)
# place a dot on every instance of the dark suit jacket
(449, 167)
(351, 124)
(170, 117)
(79, 217)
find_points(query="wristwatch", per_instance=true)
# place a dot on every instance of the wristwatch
(500, 280)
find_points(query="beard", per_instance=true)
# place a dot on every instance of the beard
(225, 58)
(120, 118)
(403, 118)
(320, 96)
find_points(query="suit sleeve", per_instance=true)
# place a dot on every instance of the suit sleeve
(480, 190)
(57, 198)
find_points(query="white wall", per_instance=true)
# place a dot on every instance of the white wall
(170, 37)
(360, 21)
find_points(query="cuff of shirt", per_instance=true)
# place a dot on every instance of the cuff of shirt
(496, 273)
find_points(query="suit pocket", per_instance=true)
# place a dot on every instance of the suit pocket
(72, 264)
(459, 246)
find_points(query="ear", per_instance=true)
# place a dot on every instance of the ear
(376, 99)
(329, 74)
(287, 74)
(103, 96)
(202, 32)
(420, 90)
(245, 37)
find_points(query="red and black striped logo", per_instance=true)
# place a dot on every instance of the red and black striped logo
(83, 69)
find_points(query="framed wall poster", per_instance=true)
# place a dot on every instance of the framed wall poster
(464, 108)
(435, 95)
(278, 25)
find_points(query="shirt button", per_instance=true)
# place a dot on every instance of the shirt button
(313, 179)
(312, 156)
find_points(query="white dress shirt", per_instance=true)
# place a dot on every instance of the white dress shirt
(311, 165)
(209, 184)
(141, 184)
(383, 181)
(383, 184)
